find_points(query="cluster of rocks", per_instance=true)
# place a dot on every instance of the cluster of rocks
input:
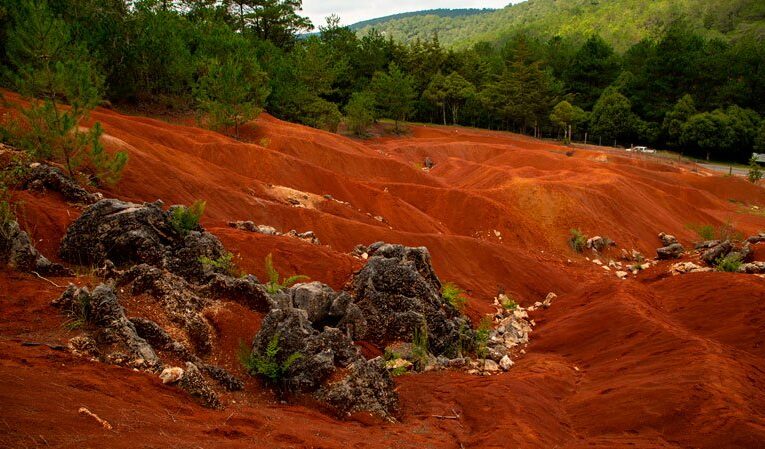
(711, 252)
(671, 248)
(392, 298)
(250, 226)
(599, 244)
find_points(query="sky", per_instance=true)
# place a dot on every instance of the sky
(352, 11)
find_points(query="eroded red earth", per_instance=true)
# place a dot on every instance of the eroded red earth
(653, 361)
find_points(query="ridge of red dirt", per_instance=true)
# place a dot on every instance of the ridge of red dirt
(648, 362)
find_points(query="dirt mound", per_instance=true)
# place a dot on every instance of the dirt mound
(650, 361)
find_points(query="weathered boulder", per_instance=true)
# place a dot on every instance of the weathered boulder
(43, 176)
(102, 308)
(324, 363)
(245, 290)
(667, 239)
(17, 251)
(599, 243)
(673, 251)
(429, 163)
(752, 268)
(756, 238)
(713, 254)
(707, 244)
(127, 234)
(398, 293)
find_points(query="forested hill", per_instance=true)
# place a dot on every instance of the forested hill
(439, 13)
(622, 23)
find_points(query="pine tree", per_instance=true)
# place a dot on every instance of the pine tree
(50, 70)
(394, 93)
(232, 92)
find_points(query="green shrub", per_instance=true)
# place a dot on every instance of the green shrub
(725, 231)
(577, 241)
(755, 171)
(454, 295)
(186, 219)
(274, 285)
(730, 263)
(267, 365)
(223, 264)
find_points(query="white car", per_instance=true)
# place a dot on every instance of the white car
(641, 150)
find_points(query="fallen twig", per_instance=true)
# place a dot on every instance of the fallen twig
(46, 279)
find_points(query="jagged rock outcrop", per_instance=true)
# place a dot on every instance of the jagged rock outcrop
(128, 233)
(759, 238)
(43, 176)
(178, 299)
(325, 363)
(714, 253)
(397, 293)
(102, 309)
(598, 243)
(17, 251)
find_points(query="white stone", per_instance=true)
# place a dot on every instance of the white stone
(171, 375)
(506, 363)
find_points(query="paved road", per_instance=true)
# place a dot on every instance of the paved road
(726, 169)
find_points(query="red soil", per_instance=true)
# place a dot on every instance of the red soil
(657, 361)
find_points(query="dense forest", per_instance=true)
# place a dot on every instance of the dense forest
(441, 12)
(230, 59)
(622, 23)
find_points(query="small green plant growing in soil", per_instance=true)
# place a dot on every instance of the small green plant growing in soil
(267, 365)
(482, 335)
(274, 285)
(725, 231)
(454, 295)
(509, 303)
(420, 353)
(81, 313)
(577, 241)
(186, 219)
(730, 263)
(223, 264)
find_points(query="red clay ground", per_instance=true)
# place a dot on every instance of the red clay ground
(652, 362)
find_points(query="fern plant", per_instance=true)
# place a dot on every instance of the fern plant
(482, 335)
(730, 263)
(274, 285)
(268, 365)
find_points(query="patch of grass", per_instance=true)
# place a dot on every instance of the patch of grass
(267, 365)
(274, 285)
(730, 263)
(725, 231)
(454, 295)
(577, 241)
(223, 264)
(81, 313)
(400, 371)
(186, 219)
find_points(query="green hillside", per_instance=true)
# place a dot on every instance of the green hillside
(441, 13)
(620, 22)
